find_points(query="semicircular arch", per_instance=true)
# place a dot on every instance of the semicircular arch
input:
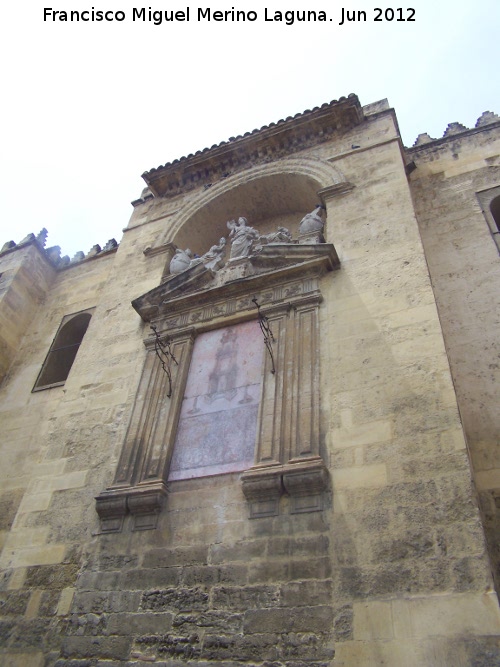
(278, 193)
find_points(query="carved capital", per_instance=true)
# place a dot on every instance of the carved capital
(187, 334)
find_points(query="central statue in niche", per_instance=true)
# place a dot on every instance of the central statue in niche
(218, 420)
(243, 237)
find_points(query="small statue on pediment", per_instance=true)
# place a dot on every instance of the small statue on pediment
(214, 258)
(180, 261)
(280, 236)
(312, 222)
(243, 237)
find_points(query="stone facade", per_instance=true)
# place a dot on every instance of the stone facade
(365, 530)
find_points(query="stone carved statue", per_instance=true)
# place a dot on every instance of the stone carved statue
(214, 258)
(242, 236)
(312, 222)
(244, 240)
(180, 261)
(281, 236)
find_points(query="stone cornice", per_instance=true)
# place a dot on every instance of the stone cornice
(196, 291)
(260, 146)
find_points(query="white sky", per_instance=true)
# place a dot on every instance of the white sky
(88, 107)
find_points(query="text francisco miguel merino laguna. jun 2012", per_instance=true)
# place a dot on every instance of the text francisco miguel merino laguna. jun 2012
(340, 15)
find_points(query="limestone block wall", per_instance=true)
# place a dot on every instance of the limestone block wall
(392, 571)
(406, 531)
(464, 265)
(57, 447)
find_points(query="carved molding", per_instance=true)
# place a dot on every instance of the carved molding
(272, 414)
(287, 454)
(111, 508)
(143, 466)
(145, 503)
(198, 294)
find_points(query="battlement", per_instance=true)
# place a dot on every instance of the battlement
(53, 253)
(486, 119)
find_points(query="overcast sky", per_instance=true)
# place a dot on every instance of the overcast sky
(87, 107)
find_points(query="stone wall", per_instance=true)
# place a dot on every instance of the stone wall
(54, 443)
(464, 264)
(406, 526)
(210, 587)
(392, 570)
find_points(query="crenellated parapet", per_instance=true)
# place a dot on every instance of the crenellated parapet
(53, 253)
(486, 119)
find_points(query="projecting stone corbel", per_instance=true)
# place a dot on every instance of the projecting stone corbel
(263, 488)
(145, 504)
(305, 481)
(336, 190)
(111, 508)
(166, 247)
